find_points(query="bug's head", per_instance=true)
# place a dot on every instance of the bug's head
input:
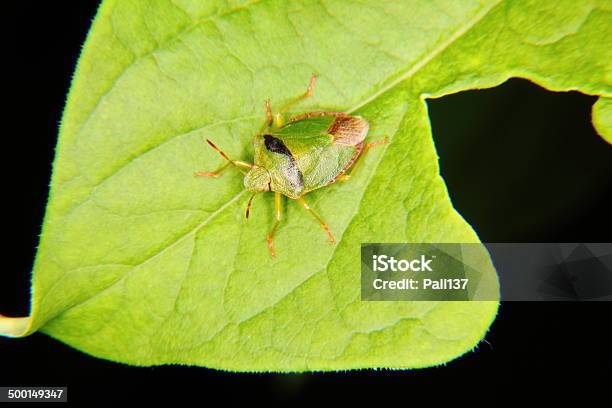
(257, 180)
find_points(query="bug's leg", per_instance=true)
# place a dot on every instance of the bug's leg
(278, 209)
(278, 118)
(236, 163)
(249, 206)
(269, 117)
(360, 160)
(318, 217)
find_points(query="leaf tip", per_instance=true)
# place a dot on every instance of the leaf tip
(14, 326)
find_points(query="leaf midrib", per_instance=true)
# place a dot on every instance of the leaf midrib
(168, 247)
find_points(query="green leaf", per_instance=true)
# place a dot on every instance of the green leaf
(142, 263)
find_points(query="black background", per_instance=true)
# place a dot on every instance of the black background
(522, 165)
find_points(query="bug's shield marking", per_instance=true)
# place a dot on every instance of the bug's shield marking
(275, 145)
(292, 173)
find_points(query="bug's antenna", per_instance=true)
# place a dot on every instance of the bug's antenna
(237, 163)
(219, 150)
(249, 205)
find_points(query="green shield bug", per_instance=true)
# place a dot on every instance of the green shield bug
(301, 154)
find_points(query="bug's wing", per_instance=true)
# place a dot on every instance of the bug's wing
(349, 130)
(324, 144)
(324, 167)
